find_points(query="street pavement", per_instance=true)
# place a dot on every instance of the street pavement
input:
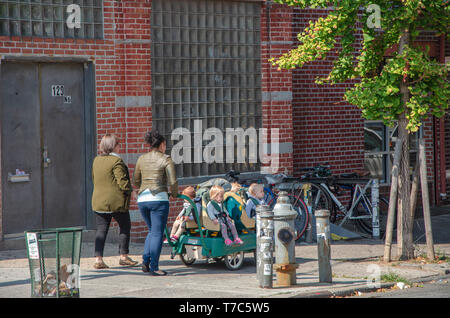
(357, 265)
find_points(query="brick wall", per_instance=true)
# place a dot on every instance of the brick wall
(315, 124)
(276, 87)
(101, 52)
(276, 92)
(447, 129)
(122, 71)
(133, 92)
(326, 128)
(276, 30)
(1, 196)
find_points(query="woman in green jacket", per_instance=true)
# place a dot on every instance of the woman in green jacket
(111, 199)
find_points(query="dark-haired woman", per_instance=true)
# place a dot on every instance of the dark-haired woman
(153, 175)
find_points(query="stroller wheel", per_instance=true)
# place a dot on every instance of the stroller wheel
(186, 259)
(234, 261)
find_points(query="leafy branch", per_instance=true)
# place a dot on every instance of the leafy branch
(377, 93)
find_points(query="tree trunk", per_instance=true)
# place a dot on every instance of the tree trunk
(404, 222)
(415, 188)
(392, 203)
(404, 230)
(425, 200)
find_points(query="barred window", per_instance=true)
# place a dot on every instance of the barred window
(79, 19)
(206, 71)
(379, 145)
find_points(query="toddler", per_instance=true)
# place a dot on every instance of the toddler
(255, 198)
(235, 187)
(180, 222)
(218, 216)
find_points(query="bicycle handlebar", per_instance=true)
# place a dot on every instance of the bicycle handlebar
(318, 167)
(319, 171)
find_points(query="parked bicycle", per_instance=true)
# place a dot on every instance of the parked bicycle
(327, 193)
(274, 184)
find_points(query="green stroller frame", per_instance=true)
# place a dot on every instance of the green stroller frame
(202, 243)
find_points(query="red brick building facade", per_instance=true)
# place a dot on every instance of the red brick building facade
(314, 122)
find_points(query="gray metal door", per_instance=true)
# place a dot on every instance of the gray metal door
(42, 117)
(20, 114)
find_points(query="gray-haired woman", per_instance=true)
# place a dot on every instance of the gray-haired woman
(111, 199)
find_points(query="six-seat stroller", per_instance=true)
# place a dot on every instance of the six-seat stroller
(202, 238)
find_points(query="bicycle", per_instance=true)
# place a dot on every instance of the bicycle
(271, 183)
(325, 192)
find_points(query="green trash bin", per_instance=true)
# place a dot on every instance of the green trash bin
(54, 258)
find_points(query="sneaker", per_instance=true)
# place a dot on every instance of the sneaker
(158, 273)
(173, 239)
(228, 242)
(127, 262)
(100, 265)
(145, 268)
(238, 241)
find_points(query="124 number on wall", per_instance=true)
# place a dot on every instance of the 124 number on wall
(57, 90)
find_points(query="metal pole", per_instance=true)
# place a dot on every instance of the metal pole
(264, 246)
(308, 202)
(375, 209)
(425, 200)
(323, 245)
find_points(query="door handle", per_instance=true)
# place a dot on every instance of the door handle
(46, 160)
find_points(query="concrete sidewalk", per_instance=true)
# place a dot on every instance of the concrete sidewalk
(352, 264)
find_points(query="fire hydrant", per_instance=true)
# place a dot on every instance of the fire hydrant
(285, 264)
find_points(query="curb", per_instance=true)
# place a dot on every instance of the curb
(348, 291)
(345, 291)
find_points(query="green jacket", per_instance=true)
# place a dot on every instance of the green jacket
(234, 209)
(112, 187)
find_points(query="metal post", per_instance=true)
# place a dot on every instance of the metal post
(375, 209)
(264, 246)
(307, 198)
(425, 200)
(323, 245)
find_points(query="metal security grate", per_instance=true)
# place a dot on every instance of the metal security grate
(48, 18)
(206, 67)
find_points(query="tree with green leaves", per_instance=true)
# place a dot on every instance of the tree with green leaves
(406, 88)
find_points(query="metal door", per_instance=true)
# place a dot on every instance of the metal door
(42, 109)
(21, 200)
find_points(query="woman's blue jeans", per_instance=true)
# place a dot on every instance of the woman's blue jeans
(155, 214)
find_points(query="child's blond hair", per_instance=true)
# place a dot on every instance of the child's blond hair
(215, 191)
(235, 186)
(189, 192)
(255, 188)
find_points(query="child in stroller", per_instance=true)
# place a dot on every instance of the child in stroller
(255, 198)
(217, 214)
(179, 226)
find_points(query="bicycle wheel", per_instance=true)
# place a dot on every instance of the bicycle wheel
(320, 200)
(271, 199)
(365, 225)
(302, 219)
